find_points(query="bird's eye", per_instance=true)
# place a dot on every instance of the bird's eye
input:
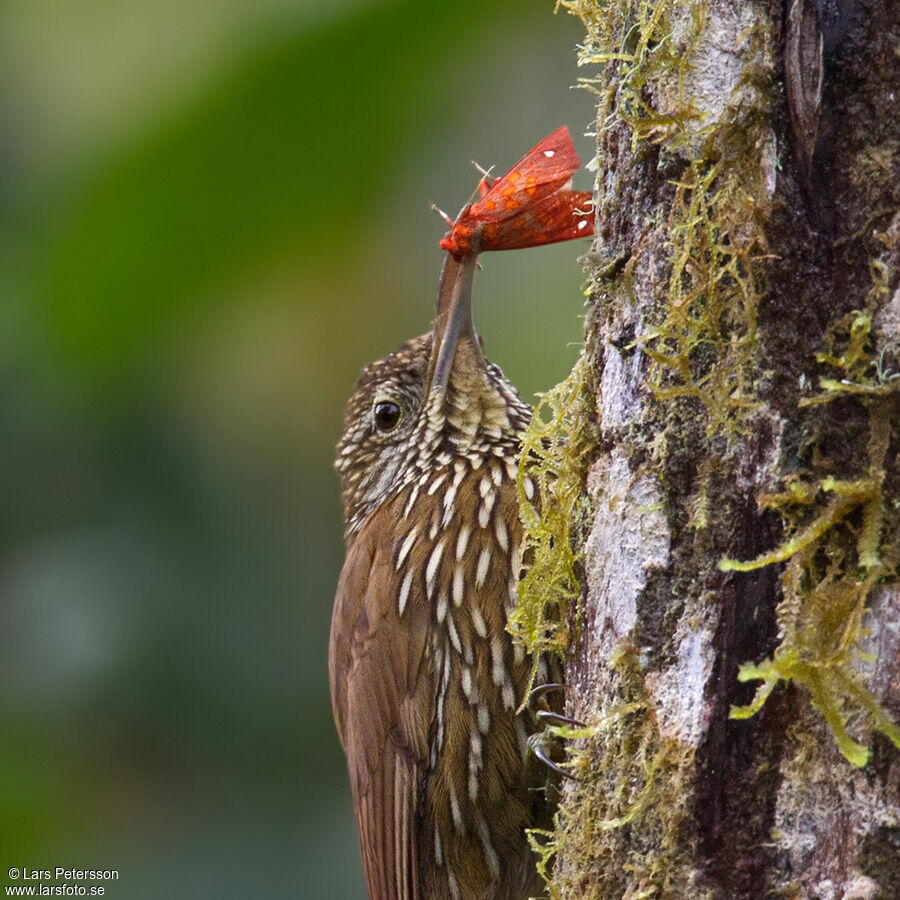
(387, 415)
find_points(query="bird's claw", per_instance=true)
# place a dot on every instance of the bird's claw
(553, 719)
(542, 756)
(550, 717)
(542, 689)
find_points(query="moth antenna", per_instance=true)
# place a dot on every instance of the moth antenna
(486, 173)
(443, 215)
(487, 180)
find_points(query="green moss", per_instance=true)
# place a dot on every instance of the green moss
(861, 375)
(704, 346)
(703, 342)
(638, 38)
(843, 538)
(554, 460)
(623, 822)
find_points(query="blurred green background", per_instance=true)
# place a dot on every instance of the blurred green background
(212, 214)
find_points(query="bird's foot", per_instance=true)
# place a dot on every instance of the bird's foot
(558, 727)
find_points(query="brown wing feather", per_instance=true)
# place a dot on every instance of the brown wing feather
(382, 700)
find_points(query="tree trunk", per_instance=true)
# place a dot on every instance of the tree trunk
(739, 402)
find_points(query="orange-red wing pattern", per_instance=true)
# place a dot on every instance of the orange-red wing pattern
(529, 205)
(541, 171)
(562, 216)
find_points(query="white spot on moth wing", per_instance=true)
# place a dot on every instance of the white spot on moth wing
(484, 560)
(549, 153)
(442, 609)
(581, 225)
(404, 591)
(438, 846)
(407, 545)
(431, 570)
(484, 719)
(436, 484)
(485, 487)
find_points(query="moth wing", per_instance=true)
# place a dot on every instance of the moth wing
(561, 216)
(543, 170)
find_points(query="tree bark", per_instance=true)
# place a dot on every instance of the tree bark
(742, 360)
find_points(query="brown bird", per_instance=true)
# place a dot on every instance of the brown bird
(425, 680)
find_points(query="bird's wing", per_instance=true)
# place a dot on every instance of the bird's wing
(382, 697)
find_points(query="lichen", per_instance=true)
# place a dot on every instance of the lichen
(842, 539)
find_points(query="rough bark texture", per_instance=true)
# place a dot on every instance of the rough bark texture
(749, 202)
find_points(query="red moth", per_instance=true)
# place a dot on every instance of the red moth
(530, 205)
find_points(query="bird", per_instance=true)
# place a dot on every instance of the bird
(426, 683)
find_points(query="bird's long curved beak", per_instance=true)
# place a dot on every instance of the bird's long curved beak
(453, 319)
